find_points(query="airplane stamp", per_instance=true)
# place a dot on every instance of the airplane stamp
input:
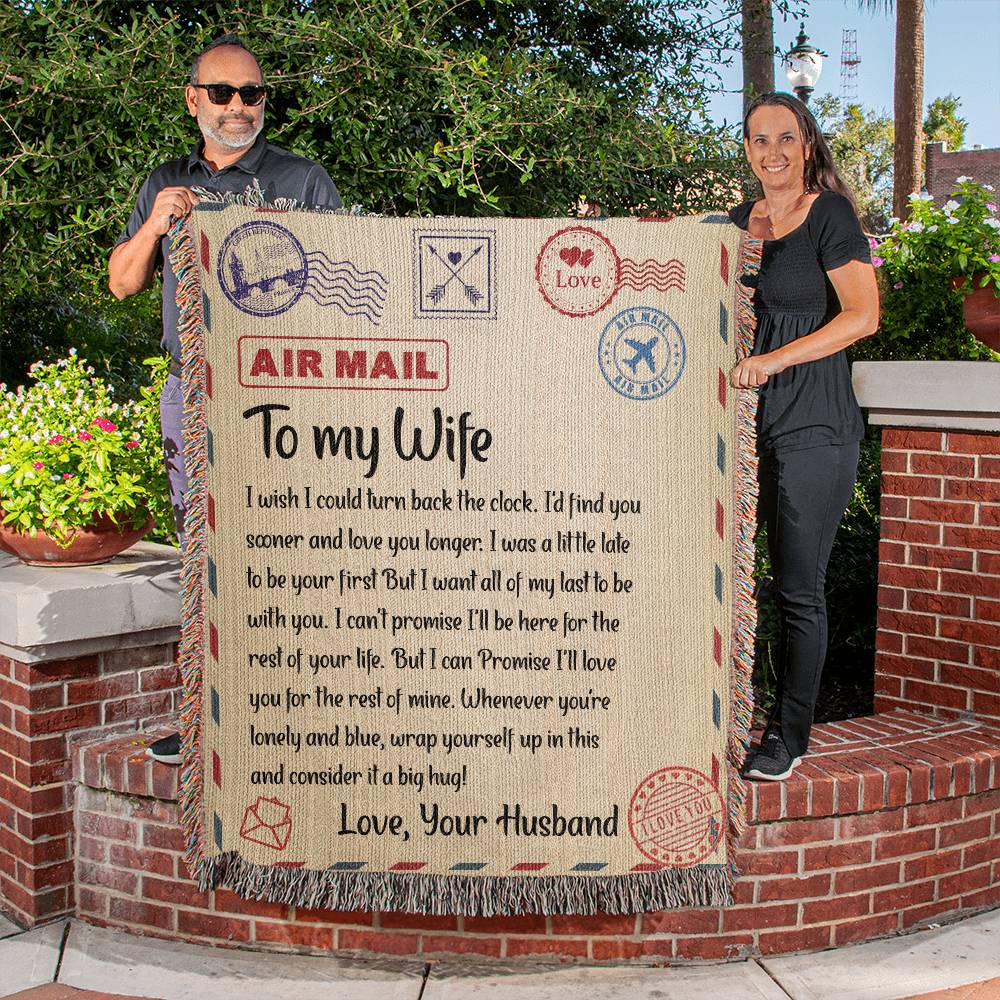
(579, 272)
(264, 270)
(641, 353)
(454, 274)
(675, 817)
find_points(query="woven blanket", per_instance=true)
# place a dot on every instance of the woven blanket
(467, 621)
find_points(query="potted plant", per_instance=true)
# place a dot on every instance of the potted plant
(80, 473)
(958, 242)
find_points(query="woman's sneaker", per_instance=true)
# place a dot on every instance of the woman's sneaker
(771, 761)
(167, 750)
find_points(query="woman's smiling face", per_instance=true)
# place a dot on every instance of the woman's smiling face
(775, 148)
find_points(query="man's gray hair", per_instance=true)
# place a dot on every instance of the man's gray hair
(235, 41)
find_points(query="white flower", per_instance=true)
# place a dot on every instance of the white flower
(992, 223)
(950, 206)
(5, 468)
(962, 180)
(989, 187)
(894, 220)
(932, 229)
(950, 219)
(917, 227)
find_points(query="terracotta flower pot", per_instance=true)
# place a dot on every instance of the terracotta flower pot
(981, 309)
(99, 543)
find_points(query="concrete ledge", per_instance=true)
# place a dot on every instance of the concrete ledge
(61, 612)
(961, 395)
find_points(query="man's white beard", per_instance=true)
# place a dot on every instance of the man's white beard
(242, 139)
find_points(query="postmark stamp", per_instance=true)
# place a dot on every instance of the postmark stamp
(264, 270)
(579, 272)
(641, 353)
(454, 274)
(676, 817)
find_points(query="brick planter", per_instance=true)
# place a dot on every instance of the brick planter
(939, 573)
(67, 673)
(893, 822)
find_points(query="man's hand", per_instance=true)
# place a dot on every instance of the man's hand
(171, 203)
(130, 268)
(754, 371)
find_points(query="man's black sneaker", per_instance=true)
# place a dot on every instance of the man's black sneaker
(167, 750)
(771, 761)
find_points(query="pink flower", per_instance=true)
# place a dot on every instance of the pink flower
(84, 435)
(991, 206)
(877, 262)
(67, 475)
(872, 242)
(898, 284)
(104, 425)
(994, 257)
(132, 444)
(55, 439)
(37, 465)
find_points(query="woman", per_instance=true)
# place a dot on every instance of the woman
(815, 295)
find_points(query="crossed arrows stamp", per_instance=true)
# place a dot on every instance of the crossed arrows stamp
(454, 274)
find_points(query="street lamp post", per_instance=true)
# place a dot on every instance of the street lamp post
(803, 64)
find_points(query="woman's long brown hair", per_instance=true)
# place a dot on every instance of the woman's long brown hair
(820, 170)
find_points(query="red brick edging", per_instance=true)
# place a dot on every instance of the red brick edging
(46, 709)
(891, 822)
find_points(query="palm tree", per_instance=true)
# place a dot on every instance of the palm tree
(758, 49)
(908, 98)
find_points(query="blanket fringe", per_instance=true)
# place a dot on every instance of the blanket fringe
(253, 197)
(183, 259)
(744, 603)
(486, 895)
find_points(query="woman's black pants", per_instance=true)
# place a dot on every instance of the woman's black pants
(803, 495)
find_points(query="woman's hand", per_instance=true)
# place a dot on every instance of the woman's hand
(754, 371)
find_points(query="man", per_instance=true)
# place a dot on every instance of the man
(226, 94)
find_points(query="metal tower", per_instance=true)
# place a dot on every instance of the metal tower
(849, 63)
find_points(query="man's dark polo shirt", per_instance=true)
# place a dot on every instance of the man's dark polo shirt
(280, 174)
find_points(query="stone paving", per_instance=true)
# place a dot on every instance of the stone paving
(75, 961)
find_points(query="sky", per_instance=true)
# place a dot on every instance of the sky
(961, 57)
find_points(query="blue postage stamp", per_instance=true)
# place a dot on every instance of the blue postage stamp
(641, 353)
(454, 274)
(264, 270)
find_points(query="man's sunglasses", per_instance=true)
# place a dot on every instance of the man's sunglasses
(221, 93)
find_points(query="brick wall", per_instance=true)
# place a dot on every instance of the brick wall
(944, 169)
(45, 709)
(890, 823)
(938, 644)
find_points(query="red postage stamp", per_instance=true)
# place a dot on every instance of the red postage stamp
(676, 816)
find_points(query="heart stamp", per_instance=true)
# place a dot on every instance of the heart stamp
(579, 272)
(576, 255)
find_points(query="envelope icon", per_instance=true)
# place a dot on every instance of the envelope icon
(267, 822)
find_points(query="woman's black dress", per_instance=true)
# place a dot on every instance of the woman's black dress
(808, 428)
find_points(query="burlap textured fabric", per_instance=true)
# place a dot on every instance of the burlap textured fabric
(467, 621)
